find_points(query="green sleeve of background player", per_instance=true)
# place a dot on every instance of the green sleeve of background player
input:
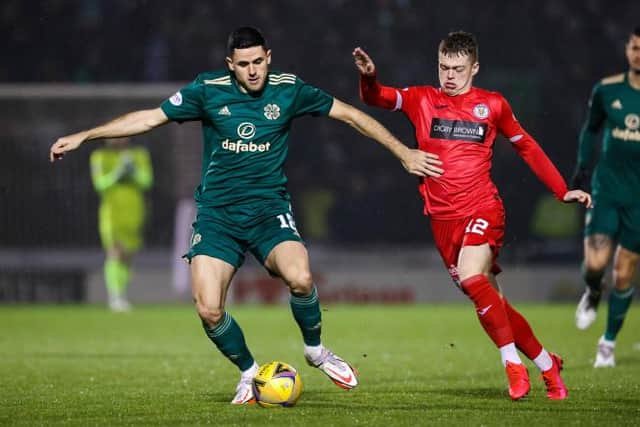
(143, 172)
(596, 115)
(102, 177)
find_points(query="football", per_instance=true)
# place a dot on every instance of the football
(277, 384)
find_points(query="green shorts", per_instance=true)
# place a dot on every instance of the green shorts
(621, 223)
(227, 233)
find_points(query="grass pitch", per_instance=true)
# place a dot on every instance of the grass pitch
(419, 365)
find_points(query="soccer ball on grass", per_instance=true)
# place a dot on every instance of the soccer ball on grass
(277, 384)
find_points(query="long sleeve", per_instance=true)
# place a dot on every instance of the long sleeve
(101, 177)
(143, 172)
(590, 129)
(531, 153)
(377, 95)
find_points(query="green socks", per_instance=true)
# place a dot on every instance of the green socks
(306, 312)
(116, 276)
(619, 303)
(229, 339)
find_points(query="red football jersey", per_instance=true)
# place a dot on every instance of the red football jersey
(461, 130)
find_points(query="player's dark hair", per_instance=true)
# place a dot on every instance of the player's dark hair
(460, 43)
(635, 32)
(245, 37)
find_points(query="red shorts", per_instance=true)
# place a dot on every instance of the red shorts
(485, 226)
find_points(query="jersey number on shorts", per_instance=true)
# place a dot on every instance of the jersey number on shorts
(287, 222)
(477, 226)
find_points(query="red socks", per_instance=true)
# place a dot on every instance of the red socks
(526, 341)
(490, 309)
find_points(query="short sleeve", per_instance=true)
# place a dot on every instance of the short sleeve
(312, 100)
(186, 104)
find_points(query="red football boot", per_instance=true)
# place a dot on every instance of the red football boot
(556, 390)
(518, 377)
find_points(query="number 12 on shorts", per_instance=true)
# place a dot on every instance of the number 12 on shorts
(477, 226)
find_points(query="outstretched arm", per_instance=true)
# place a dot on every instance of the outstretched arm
(371, 91)
(416, 162)
(537, 159)
(130, 124)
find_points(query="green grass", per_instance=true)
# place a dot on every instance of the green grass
(419, 365)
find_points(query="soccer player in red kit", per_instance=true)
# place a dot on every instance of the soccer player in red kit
(458, 124)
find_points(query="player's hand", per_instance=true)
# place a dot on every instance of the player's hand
(127, 166)
(578, 196)
(364, 63)
(422, 163)
(66, 144)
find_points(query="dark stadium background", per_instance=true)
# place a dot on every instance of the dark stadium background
(544, 56)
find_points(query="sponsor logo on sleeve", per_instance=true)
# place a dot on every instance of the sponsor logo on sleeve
(458, 130)
(176, 99)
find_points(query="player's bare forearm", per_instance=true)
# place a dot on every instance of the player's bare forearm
(130, 124)
(416, 162)
(133, 123)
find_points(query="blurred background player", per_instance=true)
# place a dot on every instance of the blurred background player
(120, 174)
(243, 204)
(459, 123)
(614, 108)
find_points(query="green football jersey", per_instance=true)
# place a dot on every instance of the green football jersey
(245, 135)
(614, 107)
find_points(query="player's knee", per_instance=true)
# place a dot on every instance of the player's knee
(211, 315)
(596, 263)
(301, 282)
(622, 277)
(465, 272)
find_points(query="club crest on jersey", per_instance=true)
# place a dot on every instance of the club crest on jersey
(176, 99)
(481, 111)
(246, 130)
(271, 111)
(632, 121)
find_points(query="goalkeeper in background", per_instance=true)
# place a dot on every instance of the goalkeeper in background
(613, 225)
(120, 174)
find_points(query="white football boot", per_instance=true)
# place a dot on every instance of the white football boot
(244, 389)
(337, 369)
(586, 310)
(605, 357)
(119, 304)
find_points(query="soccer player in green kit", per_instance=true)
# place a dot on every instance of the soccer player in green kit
(243, 204)
(614, 107)
(120, 174)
